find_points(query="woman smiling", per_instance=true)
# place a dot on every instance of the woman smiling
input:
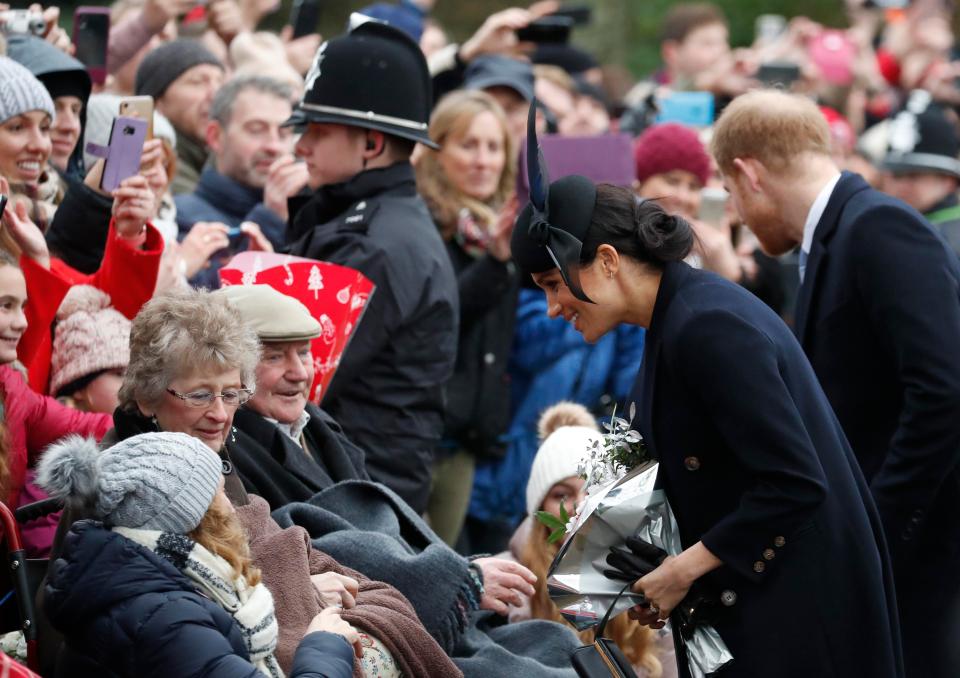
(468, 185)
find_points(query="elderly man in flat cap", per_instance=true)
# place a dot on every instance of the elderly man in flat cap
(287, 449)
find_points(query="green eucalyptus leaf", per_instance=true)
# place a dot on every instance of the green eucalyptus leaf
(551, 520)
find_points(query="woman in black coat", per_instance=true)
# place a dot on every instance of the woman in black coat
(775, 519)
(468, 184)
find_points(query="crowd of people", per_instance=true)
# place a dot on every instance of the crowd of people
(765, 266)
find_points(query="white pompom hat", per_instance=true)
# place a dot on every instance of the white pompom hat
(567, 430)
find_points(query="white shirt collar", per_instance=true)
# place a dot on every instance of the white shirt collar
(816, 212)
(293, 430)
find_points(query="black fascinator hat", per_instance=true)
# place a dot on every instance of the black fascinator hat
(550, 230)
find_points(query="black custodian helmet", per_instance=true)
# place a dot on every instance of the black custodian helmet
(375, 77)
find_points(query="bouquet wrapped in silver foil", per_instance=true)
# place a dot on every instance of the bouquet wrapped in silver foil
(620, 508)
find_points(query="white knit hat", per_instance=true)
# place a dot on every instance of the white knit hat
(91, 337)
(569, 429)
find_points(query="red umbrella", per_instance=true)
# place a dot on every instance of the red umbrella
(335, 295)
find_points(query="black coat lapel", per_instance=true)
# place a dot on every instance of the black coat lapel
(848, 185)
(643, 392)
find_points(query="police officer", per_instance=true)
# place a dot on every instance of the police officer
(921, 166)
(365, 107)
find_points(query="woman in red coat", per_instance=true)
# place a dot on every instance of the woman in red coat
(128, 274)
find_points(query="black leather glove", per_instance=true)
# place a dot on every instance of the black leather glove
(693, 611)
(635, 561)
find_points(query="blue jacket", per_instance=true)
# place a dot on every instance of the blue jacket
(125, 611)
(550, 362)
(219, 198)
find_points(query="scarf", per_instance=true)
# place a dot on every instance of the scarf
(250, 606)
(472, 237)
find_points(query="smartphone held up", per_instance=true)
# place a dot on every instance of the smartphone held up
(91, 36)
(122, 155)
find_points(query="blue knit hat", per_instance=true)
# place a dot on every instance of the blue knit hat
(20, 91)
(154, 481)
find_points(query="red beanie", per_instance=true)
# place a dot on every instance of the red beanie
(670, 146)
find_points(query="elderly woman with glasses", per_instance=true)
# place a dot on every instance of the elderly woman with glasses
(192, 365)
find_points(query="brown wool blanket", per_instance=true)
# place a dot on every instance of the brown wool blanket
(286, 560)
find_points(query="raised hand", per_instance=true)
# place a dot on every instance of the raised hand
(286, 178)
(25, 233)
(202, 241)
(133, 206)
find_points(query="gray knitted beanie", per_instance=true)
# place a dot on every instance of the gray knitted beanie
(168, 62)
(154, 481)
(20, 91)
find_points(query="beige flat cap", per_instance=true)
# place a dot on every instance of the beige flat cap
(273, 315)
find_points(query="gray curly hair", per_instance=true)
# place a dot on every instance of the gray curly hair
(182, 332)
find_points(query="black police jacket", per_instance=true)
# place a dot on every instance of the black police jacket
(388, 393)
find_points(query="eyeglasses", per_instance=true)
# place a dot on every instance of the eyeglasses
(232, 398)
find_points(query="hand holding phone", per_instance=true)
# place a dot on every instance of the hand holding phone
(91, 37)
(134, 205)
(713, 206)
(778, 74)
(304, 17)
(549, 29)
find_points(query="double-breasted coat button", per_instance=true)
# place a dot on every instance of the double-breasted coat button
(768, 554)
(779, 541)
(759, 567)
(728, 598)
(489, 358)
(692, 463)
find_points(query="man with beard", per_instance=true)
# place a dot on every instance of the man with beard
(878, 315)
(252, 172)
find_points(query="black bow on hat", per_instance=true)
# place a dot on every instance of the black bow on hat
(537, 232)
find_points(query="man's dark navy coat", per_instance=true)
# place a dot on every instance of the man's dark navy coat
(878, 315)
(756, 466)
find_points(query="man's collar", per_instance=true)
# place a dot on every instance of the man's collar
(293, 430)
(816, 212)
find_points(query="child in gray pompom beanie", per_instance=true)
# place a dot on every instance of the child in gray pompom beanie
(21, 92)
(154, 481)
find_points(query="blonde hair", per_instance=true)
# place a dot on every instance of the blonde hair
(770, 126)
(221, 532)
(556, 75)
(452, 117)
(181, 332)
(634, 640)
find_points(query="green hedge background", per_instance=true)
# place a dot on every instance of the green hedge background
(623, 32)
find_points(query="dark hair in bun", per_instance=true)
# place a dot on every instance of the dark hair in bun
(636, 228)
